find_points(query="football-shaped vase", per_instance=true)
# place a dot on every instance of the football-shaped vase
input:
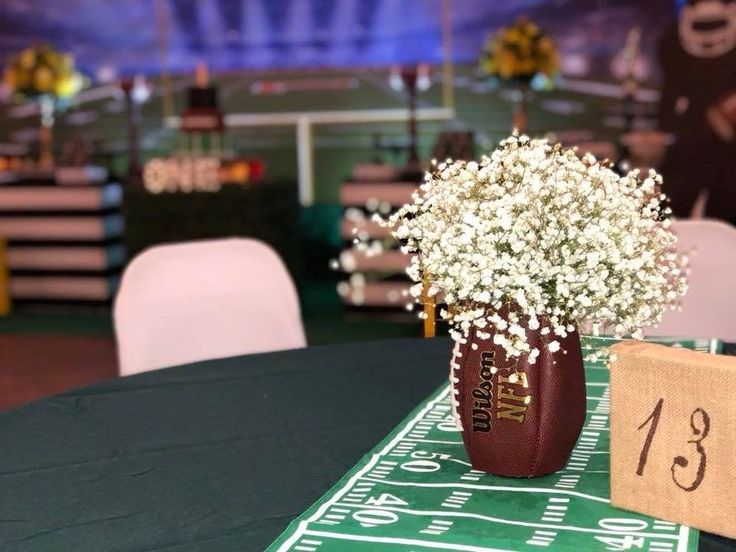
(519, 419)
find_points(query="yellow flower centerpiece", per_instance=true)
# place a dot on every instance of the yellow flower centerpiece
(520, 52)
(43, 74)
(518, 55)
(41, 70)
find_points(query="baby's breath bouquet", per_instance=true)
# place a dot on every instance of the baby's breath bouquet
(536, 238)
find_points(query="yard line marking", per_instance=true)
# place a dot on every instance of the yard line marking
(683, 536)
(494, 488)
(662, 527)
(409, 542)
(472, 515)
(435, 441)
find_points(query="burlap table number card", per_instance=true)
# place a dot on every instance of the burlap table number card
(673, 435)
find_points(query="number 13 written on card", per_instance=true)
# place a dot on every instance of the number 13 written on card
(699, 426)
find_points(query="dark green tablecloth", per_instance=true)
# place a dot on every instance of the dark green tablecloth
(217, 455)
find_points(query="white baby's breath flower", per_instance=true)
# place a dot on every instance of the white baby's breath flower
(531, 236)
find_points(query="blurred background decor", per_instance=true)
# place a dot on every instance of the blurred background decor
(697, 55)
(288, 121)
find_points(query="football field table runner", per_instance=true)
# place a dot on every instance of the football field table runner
(416, 490)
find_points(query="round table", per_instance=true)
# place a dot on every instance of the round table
(216, 455)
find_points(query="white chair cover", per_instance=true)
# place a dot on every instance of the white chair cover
(709, 307)
(192, 301)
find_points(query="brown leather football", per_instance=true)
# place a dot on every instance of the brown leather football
(524, 425)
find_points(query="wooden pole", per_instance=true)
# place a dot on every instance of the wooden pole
(4, 285)
(429, 310)
(448, 100)
(46, 136)
(167, 100)
(135, 172)
(409, 77)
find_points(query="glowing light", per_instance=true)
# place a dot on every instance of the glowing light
(182, 174)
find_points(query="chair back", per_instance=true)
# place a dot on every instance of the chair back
(192, 301)
(709, 306)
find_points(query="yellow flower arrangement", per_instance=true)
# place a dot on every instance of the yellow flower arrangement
(520, 52)
(42, 71)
